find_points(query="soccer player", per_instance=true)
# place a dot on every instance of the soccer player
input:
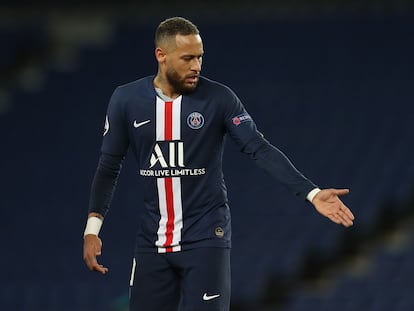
(174, 123)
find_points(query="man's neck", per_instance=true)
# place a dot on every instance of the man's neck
(161, 95)
(161, 84)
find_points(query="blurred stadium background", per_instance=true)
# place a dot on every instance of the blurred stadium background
(331, 83)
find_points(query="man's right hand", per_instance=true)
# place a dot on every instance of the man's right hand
(92, 246)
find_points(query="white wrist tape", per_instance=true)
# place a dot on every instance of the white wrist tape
(93, 226)
(312, 194)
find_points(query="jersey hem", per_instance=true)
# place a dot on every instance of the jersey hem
(185, 247)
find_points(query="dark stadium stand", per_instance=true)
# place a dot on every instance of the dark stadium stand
(19, 48)
(334, 94)
(386, 284)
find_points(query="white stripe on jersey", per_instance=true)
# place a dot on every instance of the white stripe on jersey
(160, 119)
(171, 221)
(178, 213)
(168, 127)
(162, 226)
(176, 124)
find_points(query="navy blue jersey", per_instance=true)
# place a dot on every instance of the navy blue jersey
(178, 146)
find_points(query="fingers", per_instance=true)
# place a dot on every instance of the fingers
(340, 219)
(335, 218)
(100, 269)
(328, 203)
(93, 265)
(340, 214)
(347, 222)
(92, 248)
(346, 216)
(347, 213)
(340, 192)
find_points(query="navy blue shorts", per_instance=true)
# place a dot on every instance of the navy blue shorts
(192, 280)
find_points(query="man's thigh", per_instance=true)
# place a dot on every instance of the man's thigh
(154, 285)
(205, 279)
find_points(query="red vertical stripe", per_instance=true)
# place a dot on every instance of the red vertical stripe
(168, 121)
(170, 213)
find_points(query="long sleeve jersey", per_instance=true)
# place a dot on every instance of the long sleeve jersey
(178, 145)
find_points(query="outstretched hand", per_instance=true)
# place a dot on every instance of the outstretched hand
(328, 204)
(92, 246)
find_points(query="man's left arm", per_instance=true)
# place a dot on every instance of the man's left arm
(243, 131)
(325, 201)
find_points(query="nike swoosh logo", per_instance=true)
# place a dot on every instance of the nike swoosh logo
(137, 125)
(207, 298)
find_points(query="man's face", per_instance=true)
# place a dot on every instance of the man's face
(183, 63)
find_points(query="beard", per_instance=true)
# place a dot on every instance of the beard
(178, 83)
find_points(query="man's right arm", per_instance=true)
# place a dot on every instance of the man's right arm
(103, 187)
(114, 147)
(92, 244)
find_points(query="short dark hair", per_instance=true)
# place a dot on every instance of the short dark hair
(173, 26)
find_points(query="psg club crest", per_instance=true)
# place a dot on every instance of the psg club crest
(195, 120)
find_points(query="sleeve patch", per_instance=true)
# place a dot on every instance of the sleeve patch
(245, 117)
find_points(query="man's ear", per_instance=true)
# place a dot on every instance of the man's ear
(160, 55)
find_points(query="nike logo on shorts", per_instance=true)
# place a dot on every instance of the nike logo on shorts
(209, 297)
